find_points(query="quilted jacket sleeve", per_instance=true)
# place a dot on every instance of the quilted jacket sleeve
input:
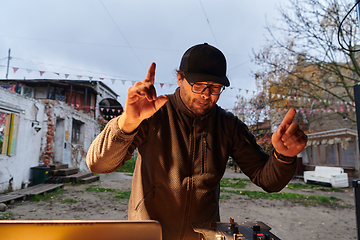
(263, 169)
(110, 149)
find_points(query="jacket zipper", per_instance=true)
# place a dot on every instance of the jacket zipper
(190, 180)
(204, 152)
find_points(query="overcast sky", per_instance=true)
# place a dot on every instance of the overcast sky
(116, 40)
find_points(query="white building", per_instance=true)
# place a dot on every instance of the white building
(46, 122)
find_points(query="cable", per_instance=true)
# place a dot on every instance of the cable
(238, 65)
(118, 28)
(339, 30)
(208, 23)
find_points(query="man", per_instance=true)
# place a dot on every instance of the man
(184, 141)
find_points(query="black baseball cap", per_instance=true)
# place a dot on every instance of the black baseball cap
(204, 63)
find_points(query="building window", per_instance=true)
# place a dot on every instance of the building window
(58, 94)
(77, 132)
(8, 132)
(332, 154)
(348, 154)
(27, 92)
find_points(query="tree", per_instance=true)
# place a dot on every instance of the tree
(252, 110)
(303, 64)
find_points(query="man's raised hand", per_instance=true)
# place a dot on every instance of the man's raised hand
(141, 102)
(289, 140)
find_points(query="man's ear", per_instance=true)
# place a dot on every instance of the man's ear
(179, 78)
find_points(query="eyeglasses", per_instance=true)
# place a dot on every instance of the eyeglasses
(199, 88)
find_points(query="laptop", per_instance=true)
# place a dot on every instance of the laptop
(79, 230)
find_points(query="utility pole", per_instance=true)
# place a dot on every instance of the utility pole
(7, 71)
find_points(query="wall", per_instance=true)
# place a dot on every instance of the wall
(58, 142)
(54, 143)
(15, 169)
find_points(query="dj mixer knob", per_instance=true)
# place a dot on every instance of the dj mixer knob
(248, 230)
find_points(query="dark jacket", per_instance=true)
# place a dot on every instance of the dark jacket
(181, 161)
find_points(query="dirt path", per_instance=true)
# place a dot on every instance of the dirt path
(289, 221)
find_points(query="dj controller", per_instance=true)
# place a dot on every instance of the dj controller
(249, 230)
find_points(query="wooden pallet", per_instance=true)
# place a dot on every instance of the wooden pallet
(28, 192)
(75, 178)
(90, 179)
(64, 171)
(10, 197)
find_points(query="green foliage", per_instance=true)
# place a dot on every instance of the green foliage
(50, 195)
(69, 200)
(97, 189)
(234, 182)
(120, 195)
(6, 216)
(293, 197)
(129, 166)
(315, 187)
(225, 197)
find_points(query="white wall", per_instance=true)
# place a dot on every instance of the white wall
(31, 145)
(17, 167)
(73, 154)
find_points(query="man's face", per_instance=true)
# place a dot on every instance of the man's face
(199, 104)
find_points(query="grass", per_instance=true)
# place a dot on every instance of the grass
(238, 183)
(128, 167)
(6, 216)
(68, 200)
(93, 188)
(315, 187)
(120, 195)
(293, 197)
(50, 195)
(225, 196)
(234, 182)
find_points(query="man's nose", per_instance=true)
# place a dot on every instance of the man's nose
(206, 92)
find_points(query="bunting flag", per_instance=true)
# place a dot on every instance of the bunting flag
(170, 85)
(330, 105)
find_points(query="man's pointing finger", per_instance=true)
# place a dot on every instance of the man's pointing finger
(151, 73)
(289, 117)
